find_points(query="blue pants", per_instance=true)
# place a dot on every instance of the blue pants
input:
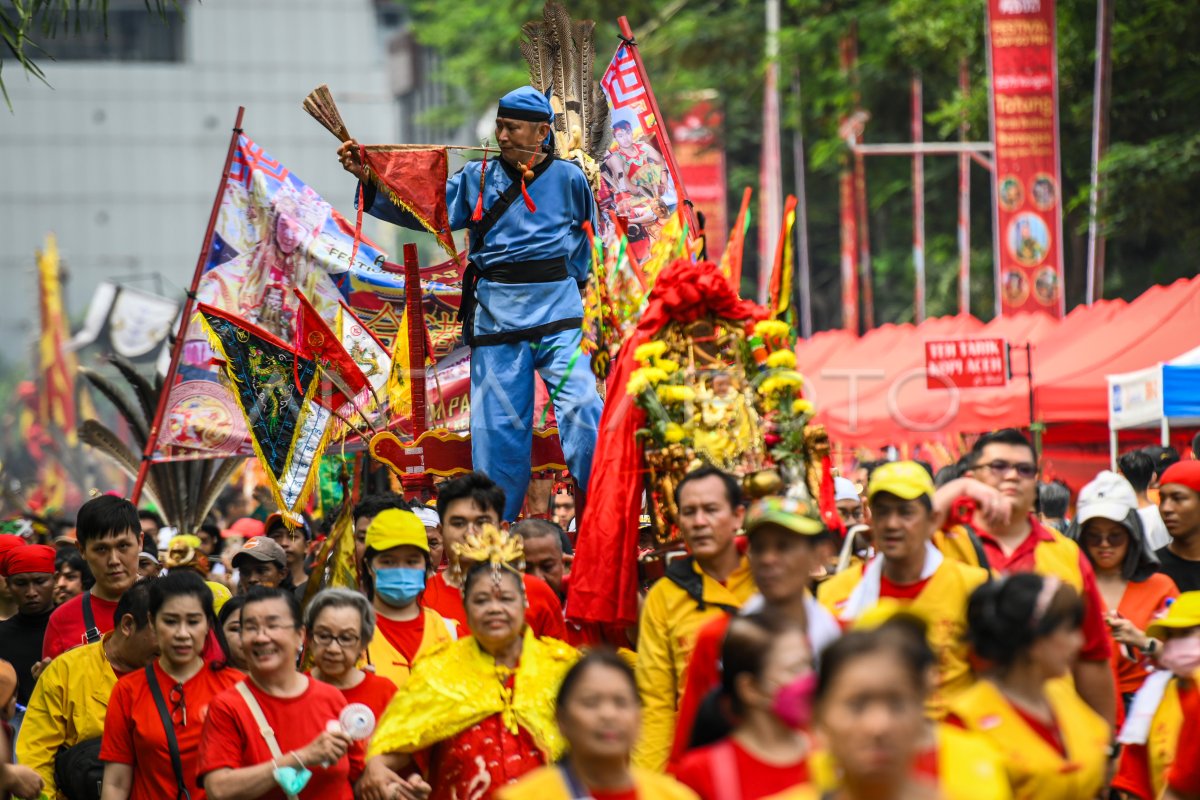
(502, 410)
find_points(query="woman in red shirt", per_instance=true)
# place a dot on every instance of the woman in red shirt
(767, 682)
(298, 748)
(136, 747)
(339, 624)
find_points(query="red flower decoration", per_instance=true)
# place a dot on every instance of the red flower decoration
(686, 291)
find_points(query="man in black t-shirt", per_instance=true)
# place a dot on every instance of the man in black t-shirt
(29, 570)
(1179, 503)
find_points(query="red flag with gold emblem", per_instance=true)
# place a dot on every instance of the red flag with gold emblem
(342, 381)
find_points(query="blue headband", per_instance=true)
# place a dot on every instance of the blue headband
(529, 105)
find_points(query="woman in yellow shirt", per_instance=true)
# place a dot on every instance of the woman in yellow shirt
(599, 713)
(1028, 628)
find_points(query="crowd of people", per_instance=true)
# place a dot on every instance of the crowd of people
(973, 635)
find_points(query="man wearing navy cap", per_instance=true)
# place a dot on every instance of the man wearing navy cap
(522, 304)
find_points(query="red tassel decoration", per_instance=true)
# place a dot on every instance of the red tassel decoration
(527, 175)
(477, 214)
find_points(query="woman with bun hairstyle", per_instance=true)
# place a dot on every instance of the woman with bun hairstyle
(767, 685)
(1028, 628)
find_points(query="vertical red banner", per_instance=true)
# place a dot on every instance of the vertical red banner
(700, 152)
(1024, 90)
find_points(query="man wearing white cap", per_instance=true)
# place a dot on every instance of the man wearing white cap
(848, 501)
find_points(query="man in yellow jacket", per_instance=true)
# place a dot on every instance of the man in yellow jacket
(713, 579)
(70, 699)
(1006, 537)
(912, 572)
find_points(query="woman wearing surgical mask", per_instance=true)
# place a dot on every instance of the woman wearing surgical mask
(396, 564)
(1152, 728)
(767, 685)
(339, 625)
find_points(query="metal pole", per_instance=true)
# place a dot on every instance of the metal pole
(770, 198)
(964, 200)
(918, 174)
(188, 305)
(860, 191)
(1102, 94)
(1034, 428)
(992, 179)
(805, 304)
(847, 219)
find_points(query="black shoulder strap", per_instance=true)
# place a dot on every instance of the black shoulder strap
(977, 544)
(681, 574)
(181, 793)
(490, 217)
(91, 633)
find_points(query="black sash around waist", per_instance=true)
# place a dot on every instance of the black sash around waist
(546, 270)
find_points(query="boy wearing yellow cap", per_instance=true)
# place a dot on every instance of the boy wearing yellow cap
(909, 570)
(395, 566)
(1152, 731)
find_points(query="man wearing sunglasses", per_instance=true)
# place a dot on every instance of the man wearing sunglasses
(1004, 535)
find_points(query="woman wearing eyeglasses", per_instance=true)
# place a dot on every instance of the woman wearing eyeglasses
(340, 623)
(156, 715)
(277, 733)
(1109, 530)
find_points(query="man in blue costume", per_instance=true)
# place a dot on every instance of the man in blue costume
(522, 293)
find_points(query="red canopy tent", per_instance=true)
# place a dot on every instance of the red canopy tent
(870, 391)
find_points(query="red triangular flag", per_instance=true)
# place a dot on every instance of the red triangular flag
(414, 178)
(316, 341)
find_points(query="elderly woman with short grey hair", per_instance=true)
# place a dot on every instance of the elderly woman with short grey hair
(340, 623)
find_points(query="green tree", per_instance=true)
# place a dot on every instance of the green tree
(1152, 168)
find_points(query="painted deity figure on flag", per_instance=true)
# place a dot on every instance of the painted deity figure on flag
(256, 284)
(522, 306)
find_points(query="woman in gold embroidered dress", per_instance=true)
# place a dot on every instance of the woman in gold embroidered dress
(480, 712)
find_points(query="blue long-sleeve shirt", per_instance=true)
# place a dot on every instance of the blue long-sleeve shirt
(563, 200)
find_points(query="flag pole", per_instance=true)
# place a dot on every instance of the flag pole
(189, 305)
(420, 486)
(659, 122)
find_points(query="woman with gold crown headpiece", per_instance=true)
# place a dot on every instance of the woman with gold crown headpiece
(480, 712)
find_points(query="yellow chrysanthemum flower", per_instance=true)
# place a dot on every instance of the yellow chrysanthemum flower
(777, 383)
(667, 365)
(650, 350)
(782, 359)
(675, 433)
(771, 329)
(802, 406)
(637, 383)
(676, 394)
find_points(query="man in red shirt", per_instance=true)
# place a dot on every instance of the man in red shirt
(465, 505)
(1004, 474)
(110, 537)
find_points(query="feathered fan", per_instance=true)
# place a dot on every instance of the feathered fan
(561, 54)
(184, 491)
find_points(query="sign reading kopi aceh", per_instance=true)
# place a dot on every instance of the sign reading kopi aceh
(966, 363)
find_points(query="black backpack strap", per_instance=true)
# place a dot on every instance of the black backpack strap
(91, 633)
(681, 574)
(181, 792)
